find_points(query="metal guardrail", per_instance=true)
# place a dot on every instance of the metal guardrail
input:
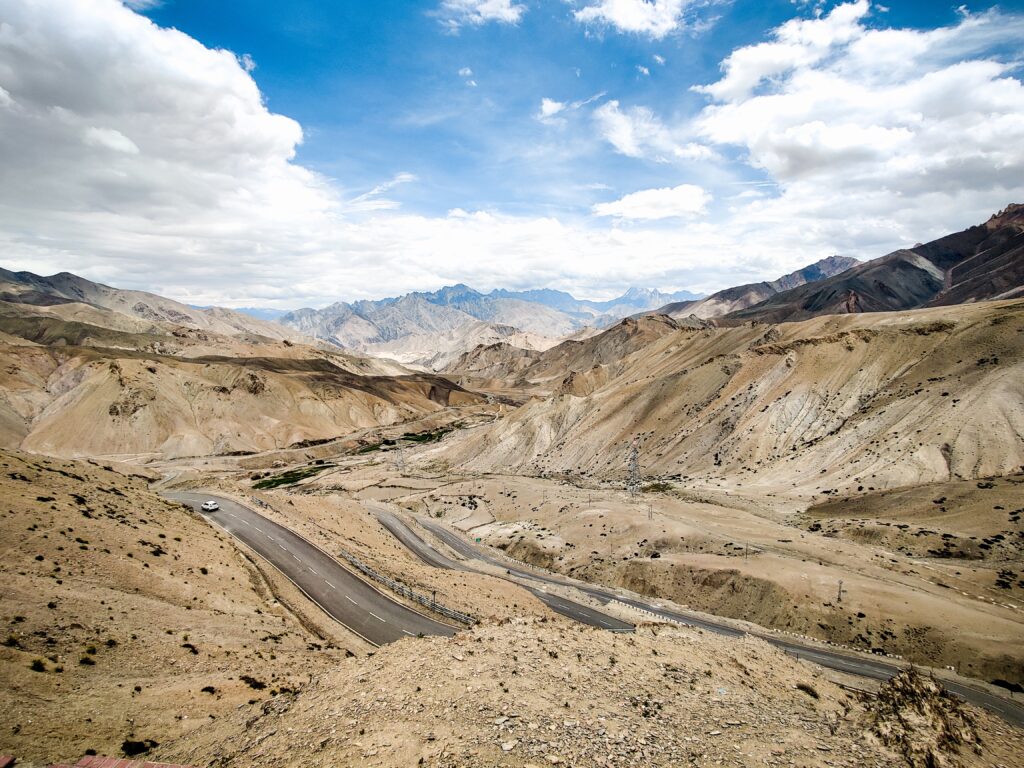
(404, 591)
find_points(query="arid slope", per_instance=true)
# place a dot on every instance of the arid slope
(126, 618)
(835, 405)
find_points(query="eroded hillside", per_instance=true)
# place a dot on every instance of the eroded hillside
(83, 380)
(836, 405)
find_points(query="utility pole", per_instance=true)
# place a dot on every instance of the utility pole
(633, 469)
(400, 458)
(650, 511)
(839, 599)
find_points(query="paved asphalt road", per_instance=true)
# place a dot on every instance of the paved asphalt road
(1011, 711)
(339, 592)
(427, 554)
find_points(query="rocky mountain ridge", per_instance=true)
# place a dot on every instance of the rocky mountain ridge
(980, 263)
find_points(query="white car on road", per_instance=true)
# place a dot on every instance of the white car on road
(210, 506)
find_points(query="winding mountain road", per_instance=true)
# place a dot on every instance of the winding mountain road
(341, 594)
(875, 669)
(569, 608)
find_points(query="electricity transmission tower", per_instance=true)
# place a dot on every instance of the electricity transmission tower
(633, 469)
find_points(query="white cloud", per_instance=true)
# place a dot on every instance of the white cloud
(638, 132)
(800, 42)
(552, 112)
(456, 14)
(372, 200)
(136, 156)
(108, 138)
(549, 109)
(643, 70)
(247, 61)
(896, 112)
(651, 204)
(654, 18)
(465, 72)
(659, 59)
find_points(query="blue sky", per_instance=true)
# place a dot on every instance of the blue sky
(377, 89)
(294, 153)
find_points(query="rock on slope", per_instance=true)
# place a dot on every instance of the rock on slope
(981, 263)
(828, 405)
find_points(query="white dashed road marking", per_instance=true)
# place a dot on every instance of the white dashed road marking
(351, 600)
(378, 618)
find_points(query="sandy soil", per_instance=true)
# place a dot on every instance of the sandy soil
(535, 692)
(127, 618)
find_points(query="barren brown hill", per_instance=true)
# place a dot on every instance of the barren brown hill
(86, 401)
(80, 379)
(743, 296)
(64, 287)
(981, 263)
(831, 405)
(533, 693)
(506, 368)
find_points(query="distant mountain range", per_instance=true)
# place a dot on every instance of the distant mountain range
(980, 263)
(743, 296)
(431, 329)
(65, 288)
(434, 329)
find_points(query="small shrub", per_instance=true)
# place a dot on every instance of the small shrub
(808, 689)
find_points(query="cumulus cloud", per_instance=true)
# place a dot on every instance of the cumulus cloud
(121, 140)
(456, 14)
(136, 156)
(638, 132)
(797, 43)
(651, 204)
(904, 113)
(654, 18)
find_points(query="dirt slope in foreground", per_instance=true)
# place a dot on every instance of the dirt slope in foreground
(125, 618)
(533, 693)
